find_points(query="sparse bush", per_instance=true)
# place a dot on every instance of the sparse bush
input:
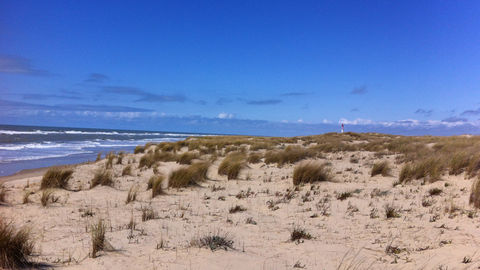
(26, 196)
(344, 195)
(99, 157)
(127, 170)
(382, 168)
(214, 241)
(98, 237)
(391, 211)
(56, 178)
(139, 149)
(186, 158)
(102, 177)
(148, 213)
(311, 172)
(15, 246)
(231, 165)
(132, 194)
(236, 208)
(435, 191)
(188, 176)
(298, 234)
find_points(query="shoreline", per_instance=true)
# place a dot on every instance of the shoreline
(33, 173)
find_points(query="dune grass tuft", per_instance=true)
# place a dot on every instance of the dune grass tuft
(15, 246)
(475, 193)
(98, 237)
(232, 165)
(127, 170)
(311, 172)
(102, 177)
(132, 194)
(56, 178)
(429, 169)
(186, 158)
(189, 175)
(156, 185)
(139, 149)
(291, 154)
(47, 197)
(254, 158)
(298, 234)
(214, 241)
(3, 194)
(382, 168)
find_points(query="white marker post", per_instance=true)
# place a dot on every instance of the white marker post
(342, 127)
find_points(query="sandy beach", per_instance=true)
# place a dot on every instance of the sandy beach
(344, 220)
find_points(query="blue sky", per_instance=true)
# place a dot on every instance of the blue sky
(251, 67)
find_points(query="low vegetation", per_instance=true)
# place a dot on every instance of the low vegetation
(298, 234)
(47, 197)
(3, 194)
(156, 185)
(188, 176)
(232, 165)
(291, 154)
(382, 168)
(186, 158)
(311, 172)
(213, 241)
(16, 245)
(102, 177)
(56, 178)
(132, 194)
(475, 193)
(97, 231)
(127, 170)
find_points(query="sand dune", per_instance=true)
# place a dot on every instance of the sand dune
(348, 231)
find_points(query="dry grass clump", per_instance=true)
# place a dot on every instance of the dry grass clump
(110, 158)
(148, 213)
(168, 147)
(458, 163)
(475, 193)
(391, 211)
(132, 194)
(127, 170)
(3, 194)
(187, 157)
(139, 149)
(430, 169)
(214, 241)
(291, 154)
(254, 158)
(311, 172)
(232, 165)
(102, 177)
(156, 185)
(56, 178)
(149, 159)
(47, 197)
(99, 157)
(98, 237)
(382, 168)
(15, 246)
(298, 234)
(236, 209)
(189, 175)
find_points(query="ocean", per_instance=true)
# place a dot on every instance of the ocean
(29, 147)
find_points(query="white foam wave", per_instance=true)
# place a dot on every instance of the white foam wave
(108, 133)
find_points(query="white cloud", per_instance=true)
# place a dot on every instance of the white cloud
(224, 115)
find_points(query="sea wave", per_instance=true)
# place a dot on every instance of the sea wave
(108, 133)
(44, 156)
